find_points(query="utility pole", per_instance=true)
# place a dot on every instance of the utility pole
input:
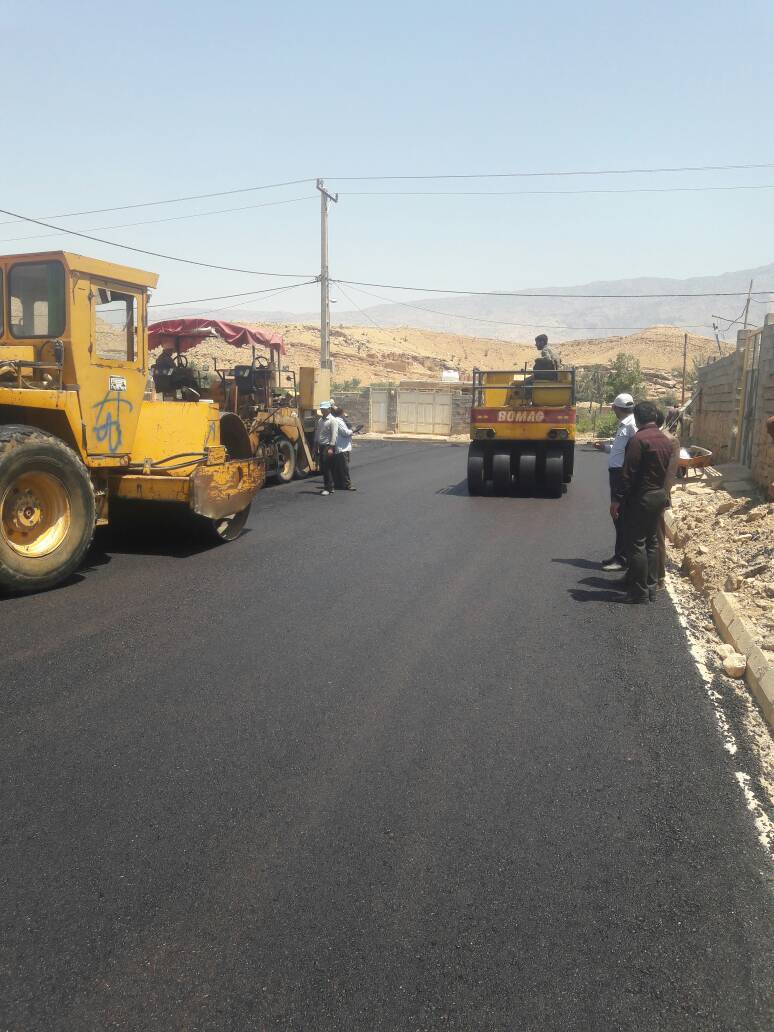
(685, 363)
(717, 338)
(747, 306)
(325, 305)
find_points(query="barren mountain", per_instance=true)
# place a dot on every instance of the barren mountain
(697, 300)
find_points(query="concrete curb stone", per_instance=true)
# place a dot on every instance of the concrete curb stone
(738, 632)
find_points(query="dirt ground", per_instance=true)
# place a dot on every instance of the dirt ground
(731, 541)
(374, 355)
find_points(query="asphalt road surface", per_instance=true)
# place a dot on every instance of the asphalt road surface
(395, 759)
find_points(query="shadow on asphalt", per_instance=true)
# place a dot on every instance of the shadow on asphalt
(455, 489)
(584, 564)
(581, 595)
(604, 583)
(462, 489)
(94, 558)
(175, 540)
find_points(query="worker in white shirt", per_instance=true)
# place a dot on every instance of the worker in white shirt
(623, 407)
(325, 441)
(343, 451)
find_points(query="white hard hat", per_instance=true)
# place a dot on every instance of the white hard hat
(624, 401)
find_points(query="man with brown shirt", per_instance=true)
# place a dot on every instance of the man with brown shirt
(649, 456)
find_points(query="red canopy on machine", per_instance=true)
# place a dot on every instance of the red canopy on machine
(184, 334)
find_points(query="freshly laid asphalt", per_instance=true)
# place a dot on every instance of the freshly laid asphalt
(393, 760)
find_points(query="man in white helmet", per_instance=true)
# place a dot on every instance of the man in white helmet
(623, 407)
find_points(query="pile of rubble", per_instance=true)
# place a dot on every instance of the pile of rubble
(727, 544)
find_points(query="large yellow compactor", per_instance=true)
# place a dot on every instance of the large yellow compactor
(522, 431)
(80, 427)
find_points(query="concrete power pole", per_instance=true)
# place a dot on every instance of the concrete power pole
(325, 306)
(685, 365)
(747, 306)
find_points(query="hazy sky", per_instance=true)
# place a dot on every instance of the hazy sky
(120, 104)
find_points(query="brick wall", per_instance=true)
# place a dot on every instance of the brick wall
(715, 421)
(762, 458)
(716, 413)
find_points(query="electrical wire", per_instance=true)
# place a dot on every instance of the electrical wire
(154, 222)
(172, 200)
(526, 294)
(154, 254)
(357, 306)
(414, 178)
(573, 172)
(505, 322)
(225, 297)
(550, 193)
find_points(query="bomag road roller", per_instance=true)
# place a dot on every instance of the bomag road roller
(522, 431)
(80, 428)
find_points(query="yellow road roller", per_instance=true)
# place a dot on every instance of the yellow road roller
(522, 431)
(81, 428)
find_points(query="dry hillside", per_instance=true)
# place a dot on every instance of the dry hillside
(373, 355)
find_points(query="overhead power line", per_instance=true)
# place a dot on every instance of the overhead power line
(357, 306)
(530, 294)
(412, 178)
(225, 297)
(172, 200)
(549, 193)
(156, 254)
(560, 172)
(171, 218)
(505, 322)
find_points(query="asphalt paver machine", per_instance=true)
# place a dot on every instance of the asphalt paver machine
(278, 410)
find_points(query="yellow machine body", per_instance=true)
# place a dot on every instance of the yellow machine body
(522, 430)
(74, 363)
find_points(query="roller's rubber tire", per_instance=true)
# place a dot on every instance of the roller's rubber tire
(302, 470)
(476, 472)
(227, 528)
(286, 458)
(527, 471)
(501, 472)
(47, 510)
(554, 475)
(569, 465)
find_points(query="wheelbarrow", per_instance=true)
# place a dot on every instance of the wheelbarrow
(693, 458)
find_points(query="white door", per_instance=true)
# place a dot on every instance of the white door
(424, 412)
(378, 410)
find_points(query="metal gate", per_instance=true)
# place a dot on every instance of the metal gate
(378, 410)
(424, 412)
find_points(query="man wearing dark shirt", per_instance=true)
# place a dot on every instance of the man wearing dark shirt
(645, 472)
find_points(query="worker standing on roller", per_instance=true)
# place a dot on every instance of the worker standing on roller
(547, 357)
(325, 437)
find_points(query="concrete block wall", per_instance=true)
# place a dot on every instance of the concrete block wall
(716, 415)
(762, 446)
(460, 414)
(356, 404)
